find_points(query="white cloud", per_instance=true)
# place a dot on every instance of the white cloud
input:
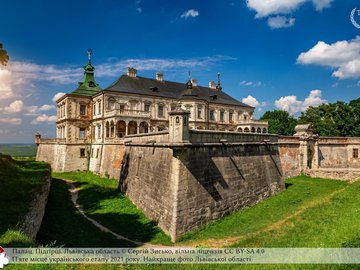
(57, 96)
(292, 105)
(46, 107)
(114, 68)
(280, 22)
(266, 8)
(343, 56)
(44, 118)
(251, 83)
(250, 100)
(321, 4)
(11, 120)
(14, 107)
(139, 9)
(190, 13)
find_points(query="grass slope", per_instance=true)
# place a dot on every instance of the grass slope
(64, 226)
(20, 180)
(102, 202)
(309, 213)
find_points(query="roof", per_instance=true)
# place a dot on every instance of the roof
(152, 87)
(88, 86)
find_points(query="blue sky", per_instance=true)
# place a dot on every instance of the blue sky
(275, 54)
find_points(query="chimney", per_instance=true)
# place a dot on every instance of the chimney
(212, 85)
(194, 82)
(159, 76)
(131, 72)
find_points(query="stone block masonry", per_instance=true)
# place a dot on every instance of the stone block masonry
(182, 186)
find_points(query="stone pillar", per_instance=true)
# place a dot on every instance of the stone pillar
(179, 125)
(138, 128)
(303, 154)
(126, 129)
(315, 163)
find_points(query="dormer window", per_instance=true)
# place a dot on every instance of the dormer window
(82, 109)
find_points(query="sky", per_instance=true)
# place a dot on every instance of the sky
(272, 54)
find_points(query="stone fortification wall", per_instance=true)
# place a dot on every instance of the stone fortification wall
(182, 186)
(32, 220)
(289, 153)
(209, 136)
(62, 157)
(338, 152)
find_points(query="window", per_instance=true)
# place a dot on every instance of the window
(82, 109)
(355, 153)
(199, 112)
(222, 116)
(122, 107)
(147, 107)
(99, 132)
(99, 107)
(82, 152)
(97, 153)
(173, 107)
(230, 116)
(82, 133)
(160, 110)
(92, 152)
(94, 112)
(212, 115)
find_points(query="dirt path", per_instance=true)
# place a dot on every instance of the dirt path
(74, 197)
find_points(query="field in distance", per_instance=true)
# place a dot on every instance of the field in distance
(18, 149)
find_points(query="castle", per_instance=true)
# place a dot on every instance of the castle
(183, 153)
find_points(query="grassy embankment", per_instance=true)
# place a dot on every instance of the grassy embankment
(20, 180)
(309, 213)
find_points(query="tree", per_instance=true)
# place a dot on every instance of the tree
(337, 119)
(280, 122)
(4, 57)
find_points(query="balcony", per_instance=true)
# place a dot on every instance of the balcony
(128, 113)
(253, 122)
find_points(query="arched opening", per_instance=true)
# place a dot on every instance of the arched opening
(120, 129)
(239, 129)
(161, 128)
(144, 127)
(112, 129)
(258, 130)
(132, 128)
(107, 128)
(247, 130)
(264, 130)
(252, 130)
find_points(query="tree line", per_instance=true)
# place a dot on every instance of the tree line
(338, 119)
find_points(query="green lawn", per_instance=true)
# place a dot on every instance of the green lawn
(20, 180)
(309, 213)
(102, 202)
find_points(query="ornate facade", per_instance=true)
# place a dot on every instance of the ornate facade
(135, 105)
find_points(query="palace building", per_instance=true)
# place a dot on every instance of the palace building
(135, 105)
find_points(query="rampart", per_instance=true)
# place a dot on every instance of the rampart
(198, 176)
